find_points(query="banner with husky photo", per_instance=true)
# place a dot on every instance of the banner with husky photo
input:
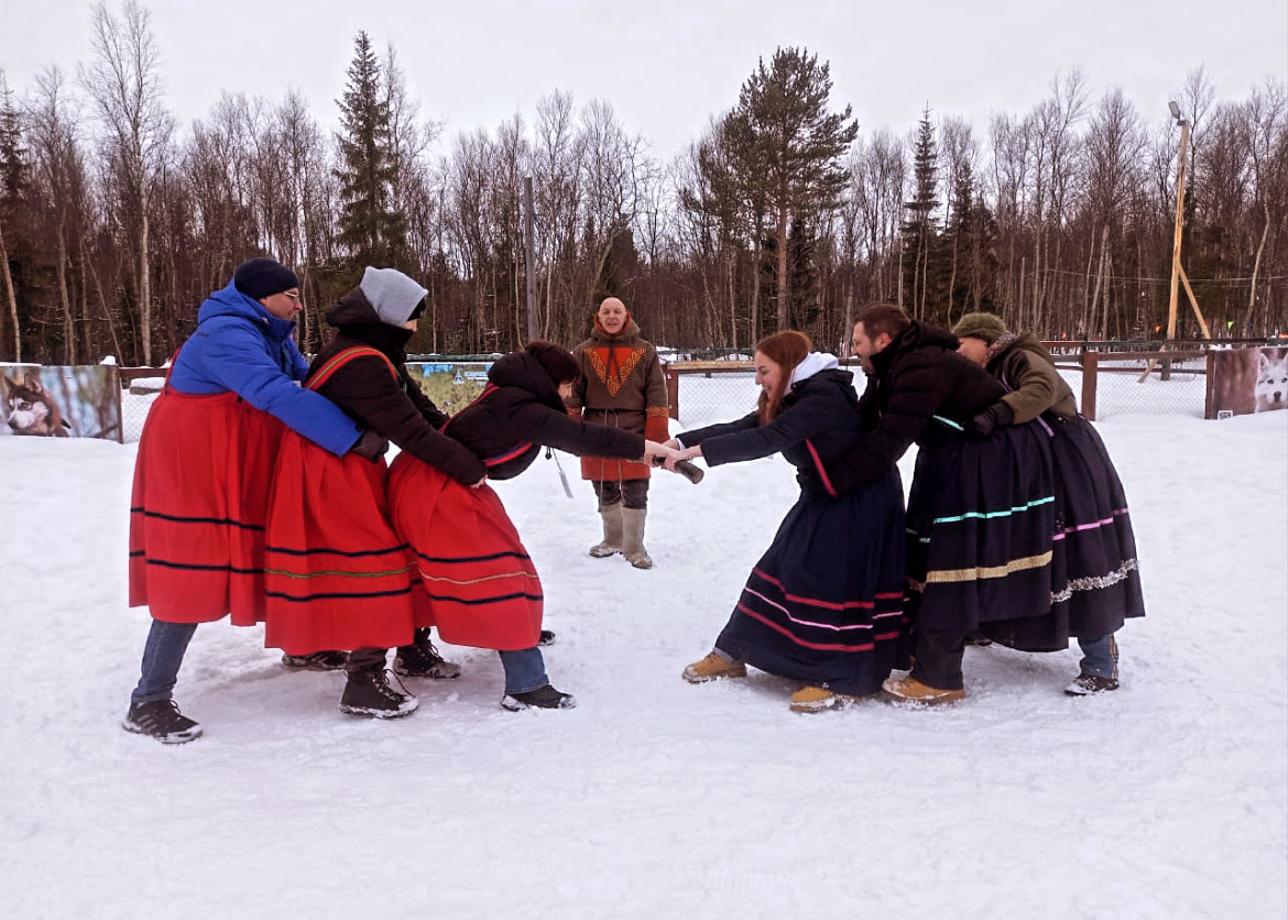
(60, 402)
(1247, 380)
(450, 385)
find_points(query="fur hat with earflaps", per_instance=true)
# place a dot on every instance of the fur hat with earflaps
(987, 327)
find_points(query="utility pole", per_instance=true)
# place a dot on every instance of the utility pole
(529, 258)
(1178, 273)
(1183, 160)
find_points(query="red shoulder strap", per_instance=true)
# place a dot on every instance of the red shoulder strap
(327, 370)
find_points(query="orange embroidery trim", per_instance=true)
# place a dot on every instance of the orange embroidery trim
(614, 384)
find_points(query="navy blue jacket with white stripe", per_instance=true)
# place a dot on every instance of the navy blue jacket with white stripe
(817, 422)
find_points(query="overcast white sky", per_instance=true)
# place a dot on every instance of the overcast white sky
(666, 66)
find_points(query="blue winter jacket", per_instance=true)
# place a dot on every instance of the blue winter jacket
(240, 346)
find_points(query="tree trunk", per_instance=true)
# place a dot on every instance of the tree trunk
(145, 281)
(1256, 265)
(782, 269)
(13, 301)
(69, 327)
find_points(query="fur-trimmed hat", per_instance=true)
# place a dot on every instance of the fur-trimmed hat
(555, 361)
(987, 327)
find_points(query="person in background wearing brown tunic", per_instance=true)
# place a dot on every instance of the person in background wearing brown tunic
(621, 386)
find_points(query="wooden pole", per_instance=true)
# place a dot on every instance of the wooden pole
(1090, 365)
(1182, 165)
(1194, 303)
(530, 258)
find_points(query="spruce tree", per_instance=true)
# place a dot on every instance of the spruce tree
(920, 230)
(371, 228)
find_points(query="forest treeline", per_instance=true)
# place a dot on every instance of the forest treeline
(115, 221)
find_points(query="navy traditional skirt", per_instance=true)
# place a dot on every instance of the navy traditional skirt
(981, 522)
(1095, 573)
(824, 605)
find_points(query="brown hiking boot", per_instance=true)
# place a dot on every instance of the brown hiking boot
(911, 690)
(816, 699)
(714, 667)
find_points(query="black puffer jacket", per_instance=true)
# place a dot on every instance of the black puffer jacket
(394, 409)
(818, 418)
(921, 390)
(520, 412)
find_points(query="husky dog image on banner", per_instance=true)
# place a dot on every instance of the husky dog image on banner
(1248, 380)
(60, 402)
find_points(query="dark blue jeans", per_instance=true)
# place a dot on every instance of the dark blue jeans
(162, 656)
(525, 670)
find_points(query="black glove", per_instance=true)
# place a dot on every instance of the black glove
(997, 415)
(371, 446)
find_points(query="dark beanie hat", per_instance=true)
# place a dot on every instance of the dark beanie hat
(555, 361)
(264, 277)
(987, 327)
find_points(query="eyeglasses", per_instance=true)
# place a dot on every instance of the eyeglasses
(295, 296)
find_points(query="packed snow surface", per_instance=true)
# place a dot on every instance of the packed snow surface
(653, 798)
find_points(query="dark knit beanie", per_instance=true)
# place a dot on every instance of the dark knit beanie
(264, 277)
(987, 327)
(555, 361)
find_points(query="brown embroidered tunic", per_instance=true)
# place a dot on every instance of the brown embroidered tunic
(622, 386)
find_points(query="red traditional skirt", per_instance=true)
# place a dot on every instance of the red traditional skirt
(202, 482)
(482, 587)
(336, 575)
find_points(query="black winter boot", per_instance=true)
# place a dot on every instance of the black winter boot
(421, 659)
(318, 661)
(162, 720)
(368, 693)
(546, 697)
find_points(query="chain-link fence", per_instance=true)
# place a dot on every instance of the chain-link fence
(704, 393)
(709, 391)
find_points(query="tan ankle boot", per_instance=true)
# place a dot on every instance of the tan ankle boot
(713, 667)
(633, 538)
(612, 542)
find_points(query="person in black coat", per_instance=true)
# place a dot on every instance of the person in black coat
(482, 586)
(824, 603)
(980, 510)
(394, 409)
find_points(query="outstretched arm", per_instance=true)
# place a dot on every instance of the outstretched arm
(236, 359)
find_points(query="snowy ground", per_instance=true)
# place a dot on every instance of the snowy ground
(654, 798)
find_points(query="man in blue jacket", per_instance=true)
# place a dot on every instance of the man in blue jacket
(202, 476)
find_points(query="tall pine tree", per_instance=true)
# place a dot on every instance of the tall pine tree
(790, 147)
(921, 229)
(372, 229)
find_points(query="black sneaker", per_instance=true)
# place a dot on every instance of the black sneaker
(318, 661)
(547, 638)
(162, 720)
(421, 659)
(546, 697)
(367, 693)
(1090, 684)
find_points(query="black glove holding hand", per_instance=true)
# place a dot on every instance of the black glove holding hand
(997, 415)
(371, 446)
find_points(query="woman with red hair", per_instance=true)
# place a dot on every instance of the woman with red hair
(824, 605)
